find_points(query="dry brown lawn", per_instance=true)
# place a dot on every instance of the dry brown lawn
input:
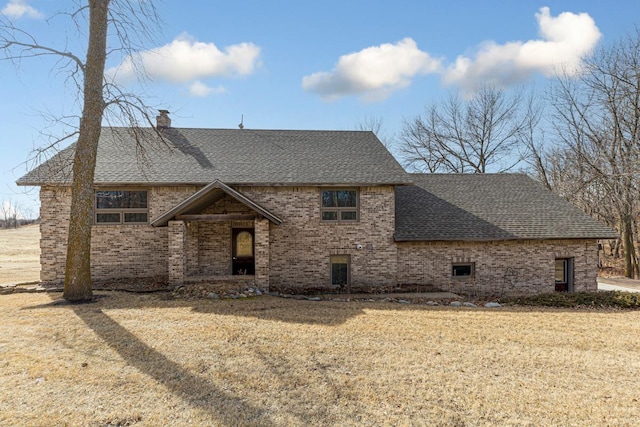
(130, 359)
(20, 254)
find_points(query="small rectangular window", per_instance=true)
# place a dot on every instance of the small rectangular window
(463, 270)
(106, 218)
(339, 205)
(340, 270)
(135, 217)
(121, 207)
(563, 274)
(329, 216)
(561, 271)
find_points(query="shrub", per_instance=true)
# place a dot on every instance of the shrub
(614, 299)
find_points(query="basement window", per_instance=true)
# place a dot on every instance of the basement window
(463, 270)
(121, 207)
(340, 271)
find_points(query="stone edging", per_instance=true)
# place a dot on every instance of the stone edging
(252, 292)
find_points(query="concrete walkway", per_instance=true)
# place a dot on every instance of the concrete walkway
(618, 284)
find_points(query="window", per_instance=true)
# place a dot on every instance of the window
(244, 244)
(561, 272)
(340, 270)
(463, 270)
(121, 207)
(339, 206)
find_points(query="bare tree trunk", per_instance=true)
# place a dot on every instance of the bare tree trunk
(77, 281)
(627, 245)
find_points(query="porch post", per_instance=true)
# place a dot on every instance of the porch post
(177, 252)
(261, 242)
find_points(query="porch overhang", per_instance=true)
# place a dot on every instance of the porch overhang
(192, 206)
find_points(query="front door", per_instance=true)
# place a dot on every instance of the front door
(243, 261)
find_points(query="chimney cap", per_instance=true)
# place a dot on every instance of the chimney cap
(163, 121)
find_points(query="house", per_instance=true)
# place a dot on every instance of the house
(306, 210)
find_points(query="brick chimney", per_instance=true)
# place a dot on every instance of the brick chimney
(163, 121)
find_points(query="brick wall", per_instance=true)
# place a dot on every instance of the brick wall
(519, 267)
(117, 251)
(299, 250)
(55, 207)
(301, 246)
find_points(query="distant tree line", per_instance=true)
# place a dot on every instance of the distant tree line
(12, 216)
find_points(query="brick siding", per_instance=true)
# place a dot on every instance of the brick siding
(296, 254)
(501, 268)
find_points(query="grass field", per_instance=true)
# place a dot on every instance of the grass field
(20, 254)
(146, 360)
(130, 359)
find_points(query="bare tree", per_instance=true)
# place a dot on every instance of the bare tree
(5, 211)
(597, 155)
(130, 21)
(484, 133)
(375, 125)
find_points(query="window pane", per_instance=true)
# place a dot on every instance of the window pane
(339, 270)
(462, 270)
(348, 215)
(561, 271)
(329, 199)
(135, 217)
(134, 199)
(108, 218)
(121, 199)
(346, 198)
(244, 244)
(107, 200)
(330, 216)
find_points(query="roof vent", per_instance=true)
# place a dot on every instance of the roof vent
(163, 121)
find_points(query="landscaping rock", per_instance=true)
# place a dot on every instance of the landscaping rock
(315, 299)
(456, 304)
(433, 303)
(404, 301)
(213, 295)
(469, 304)
(493, 305)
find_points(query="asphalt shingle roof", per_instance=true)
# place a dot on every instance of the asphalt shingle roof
(487, 207)
(261, 157)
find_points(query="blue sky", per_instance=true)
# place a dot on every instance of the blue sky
(307, 65)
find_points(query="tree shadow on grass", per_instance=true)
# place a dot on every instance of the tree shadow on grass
(222, 407)
(266, 307)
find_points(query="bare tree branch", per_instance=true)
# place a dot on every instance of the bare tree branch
(482, 134)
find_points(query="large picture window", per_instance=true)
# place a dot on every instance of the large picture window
(339, 206)
(121, 207)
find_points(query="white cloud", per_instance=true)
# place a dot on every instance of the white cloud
(199, 89)
(18, 8)
(374, 72)
(184, 60)
(565, 39)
